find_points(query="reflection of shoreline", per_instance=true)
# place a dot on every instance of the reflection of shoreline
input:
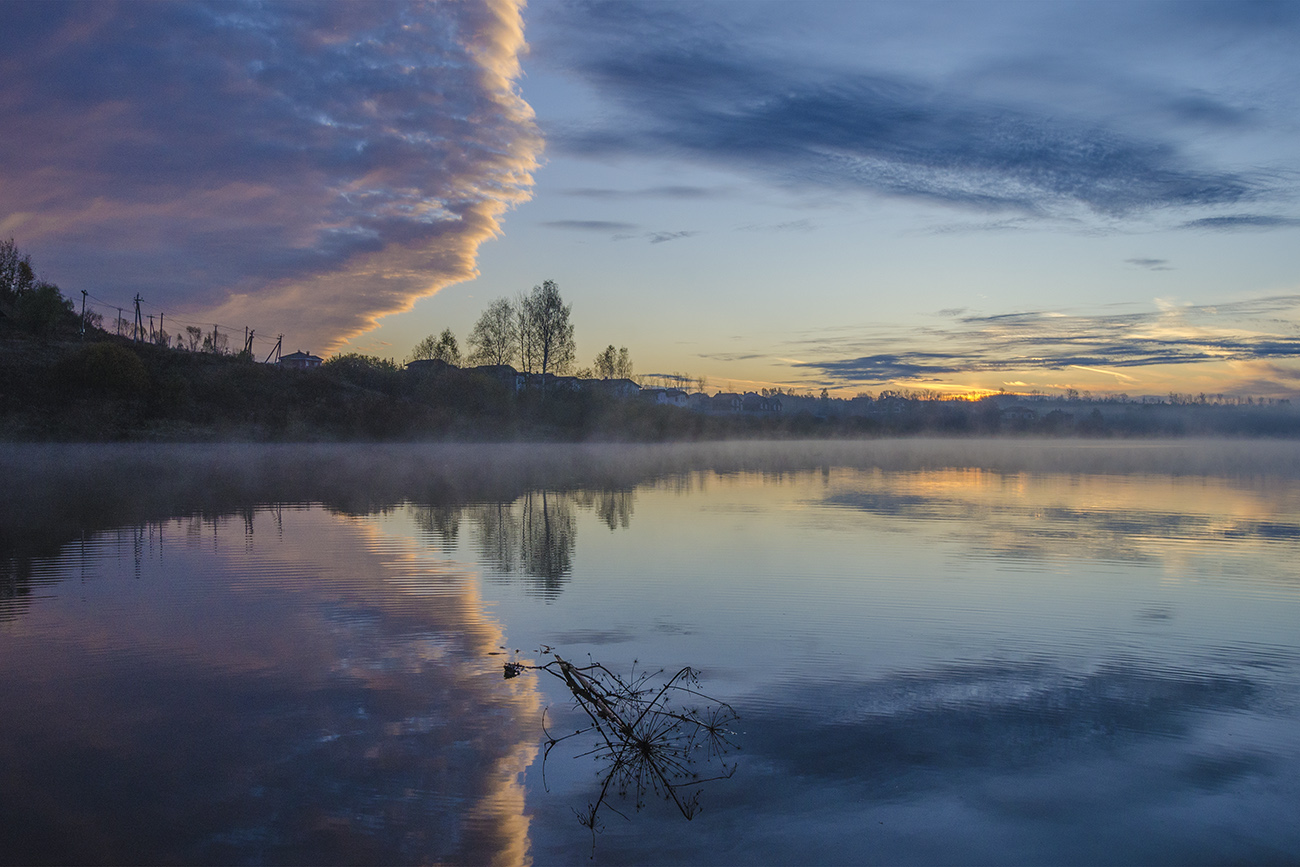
(59, 494)
(319, 681)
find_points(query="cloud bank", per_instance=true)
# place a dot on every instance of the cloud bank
(298, 167)
(1052, 136)
(1259, 330)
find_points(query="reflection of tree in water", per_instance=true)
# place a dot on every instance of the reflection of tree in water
(534, 536)
(442, 523)
(15, 587)
(614, 508)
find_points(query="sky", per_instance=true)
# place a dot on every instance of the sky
(962, 197)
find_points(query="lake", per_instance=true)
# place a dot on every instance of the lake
(987, 652)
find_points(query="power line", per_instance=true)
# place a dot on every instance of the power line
(196, 331)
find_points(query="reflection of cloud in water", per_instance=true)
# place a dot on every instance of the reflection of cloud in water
(1016, 764)
(322, 693)
(912, 729)
(1045, 516)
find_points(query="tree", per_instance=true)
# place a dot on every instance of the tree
(525, 333)
(440, 348)
(42, 307)
(550, 329)
(613, 363)
(16, 275)
(216, 342)
(495, 338)
(37, 306)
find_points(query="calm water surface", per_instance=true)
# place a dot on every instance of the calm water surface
(940, 652)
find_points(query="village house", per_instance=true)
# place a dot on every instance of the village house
(761, 403)
(429, 365)
(300, 360)
(727, 401)
(509, 378)
(664, 396)
(612, 387)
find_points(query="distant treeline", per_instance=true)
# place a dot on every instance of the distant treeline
(113, 389)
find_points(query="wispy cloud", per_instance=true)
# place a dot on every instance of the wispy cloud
(665, 192)
(690, 89)
(302, 167)
(1151, 264)
(1237, 222)
(664, 237)
(1263, 329)
(591, 225)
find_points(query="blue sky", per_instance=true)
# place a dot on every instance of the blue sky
(954, 196)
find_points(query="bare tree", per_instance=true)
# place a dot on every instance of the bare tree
(16, 275)
(495, 338)
(440, 348)
(526, 334)
(605, 361)
(613, 363)
(548, 318)
(216, 342)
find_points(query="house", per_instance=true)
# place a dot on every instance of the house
(664, 396)
(429, 365)
(699, 402)
(760, 403)
(612, 387)
(300, 360)
(727, 401)
(510, 378)
(551, 382)
(1019, 412)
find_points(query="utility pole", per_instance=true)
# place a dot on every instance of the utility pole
(83, 314)
(119, 322)
(276, 351)
(248, 341)
(139, 322)
(152, 338)
(160, 326)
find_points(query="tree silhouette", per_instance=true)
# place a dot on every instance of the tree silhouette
(440, 348)
(495, 338)
(550, 330)
(613, 363)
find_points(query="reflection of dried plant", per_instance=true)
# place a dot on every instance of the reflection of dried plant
(649, 739)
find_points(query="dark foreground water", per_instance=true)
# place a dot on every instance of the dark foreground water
(940, 652)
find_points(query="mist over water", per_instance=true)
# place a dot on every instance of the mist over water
(941, 651)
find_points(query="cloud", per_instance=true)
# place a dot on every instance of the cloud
(787, 226)
(1243, 221)
(665, 192)
(698, 90)
(663, 237)
(1243, 331)
(306, 168)
(590, 225)
(1151, 264)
